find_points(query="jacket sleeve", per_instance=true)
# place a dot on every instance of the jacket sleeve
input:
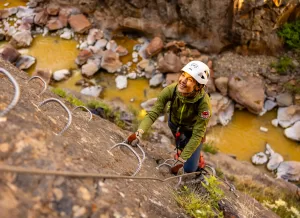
(164, 96)
(199, 129)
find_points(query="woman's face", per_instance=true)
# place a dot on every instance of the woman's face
(186, 83)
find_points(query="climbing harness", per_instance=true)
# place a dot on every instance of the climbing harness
(40, 78)
(66, 109)
(16, 94)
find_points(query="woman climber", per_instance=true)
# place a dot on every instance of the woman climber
(190, 111)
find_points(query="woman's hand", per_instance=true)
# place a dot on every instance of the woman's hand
(135, 138)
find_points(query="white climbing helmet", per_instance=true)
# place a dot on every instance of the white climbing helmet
(198, 70)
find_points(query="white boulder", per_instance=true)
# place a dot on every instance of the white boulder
(287, 116)
(92, 91)
(61, 74)
(289, 170)
(156, 80)
(25, 61)
(121, 82)
(275, 122)
(293, 132)
(269, 105)
(67, 34)
(259, 158)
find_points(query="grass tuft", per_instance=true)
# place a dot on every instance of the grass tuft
(210, 148)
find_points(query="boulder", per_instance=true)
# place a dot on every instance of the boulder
(289, 170)
(9, 53)
(83, 56)
(110, 61)
(132, 75)
(45, 74)
(211, 85)
(169, 63)
(156, 80)
(61, 74)
(100, 44)
(275, 122)
(111, 45)
(63, 16)
(53, 9)
(41, 18)
(147, 66)
(67, 34)
(94, 35)
(21, 39)
(147, 105)
(154, 47)
(259, 158)
(274, 158)
(4, 14)
(269, 105)
(54, 24)
(122, 51)
(121, 82)
(247, 91)
(24, 62)
(89, 69)
(79, 23)
(222, 85)
(287, 116)
(2, 35)
(293, 132)
(24, 12)
(284, 99)
(222, 109)
(94, 91)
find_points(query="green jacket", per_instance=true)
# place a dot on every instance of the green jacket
(183, 114)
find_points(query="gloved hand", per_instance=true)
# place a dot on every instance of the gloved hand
(177, 157)
(135, 138)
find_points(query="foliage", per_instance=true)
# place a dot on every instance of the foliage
(294, 89)
(282, 203)
(93, 104)
(60, 92)
(290, 32)
(201, 205)
(210, 148)
(283, 65)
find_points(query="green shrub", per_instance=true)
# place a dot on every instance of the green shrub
(290, 32)
(203, 205)
(283, 65)
(210, 148)
(294, 89)
(60, 92)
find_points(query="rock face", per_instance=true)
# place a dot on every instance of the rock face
(247, 91)
(222, 109)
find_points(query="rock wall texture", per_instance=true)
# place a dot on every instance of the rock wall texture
(210, 26)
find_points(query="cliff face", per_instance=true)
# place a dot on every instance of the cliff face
(210, 26)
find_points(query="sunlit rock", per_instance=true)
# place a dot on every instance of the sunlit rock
(83, 56)
(288, 115)
(54, 24)
(110, 61)
(269, 105)
(10, 31)
(131, 75)
(21, 39)
(147, 105)
(94, 35)
(293, 132)
(12, 11)
(9, 53)
(275, 122)
(155, 46)
(61, 74)
(248, 91)
(24, 62)
(142, 50)
(41, 18)
(289, 170)
(274, 158)
(24, 12)
(222, 85)
(121, 82)
(92, 91)
(222, 109)
(156, 80)
(122, 51)
(79, 23)
(284, 99)
(67, 34)
(89, 69)
(169, 63)
(259, 158)
(53, 9)
(100, 44)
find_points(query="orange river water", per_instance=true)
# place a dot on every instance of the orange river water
(241, 137)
